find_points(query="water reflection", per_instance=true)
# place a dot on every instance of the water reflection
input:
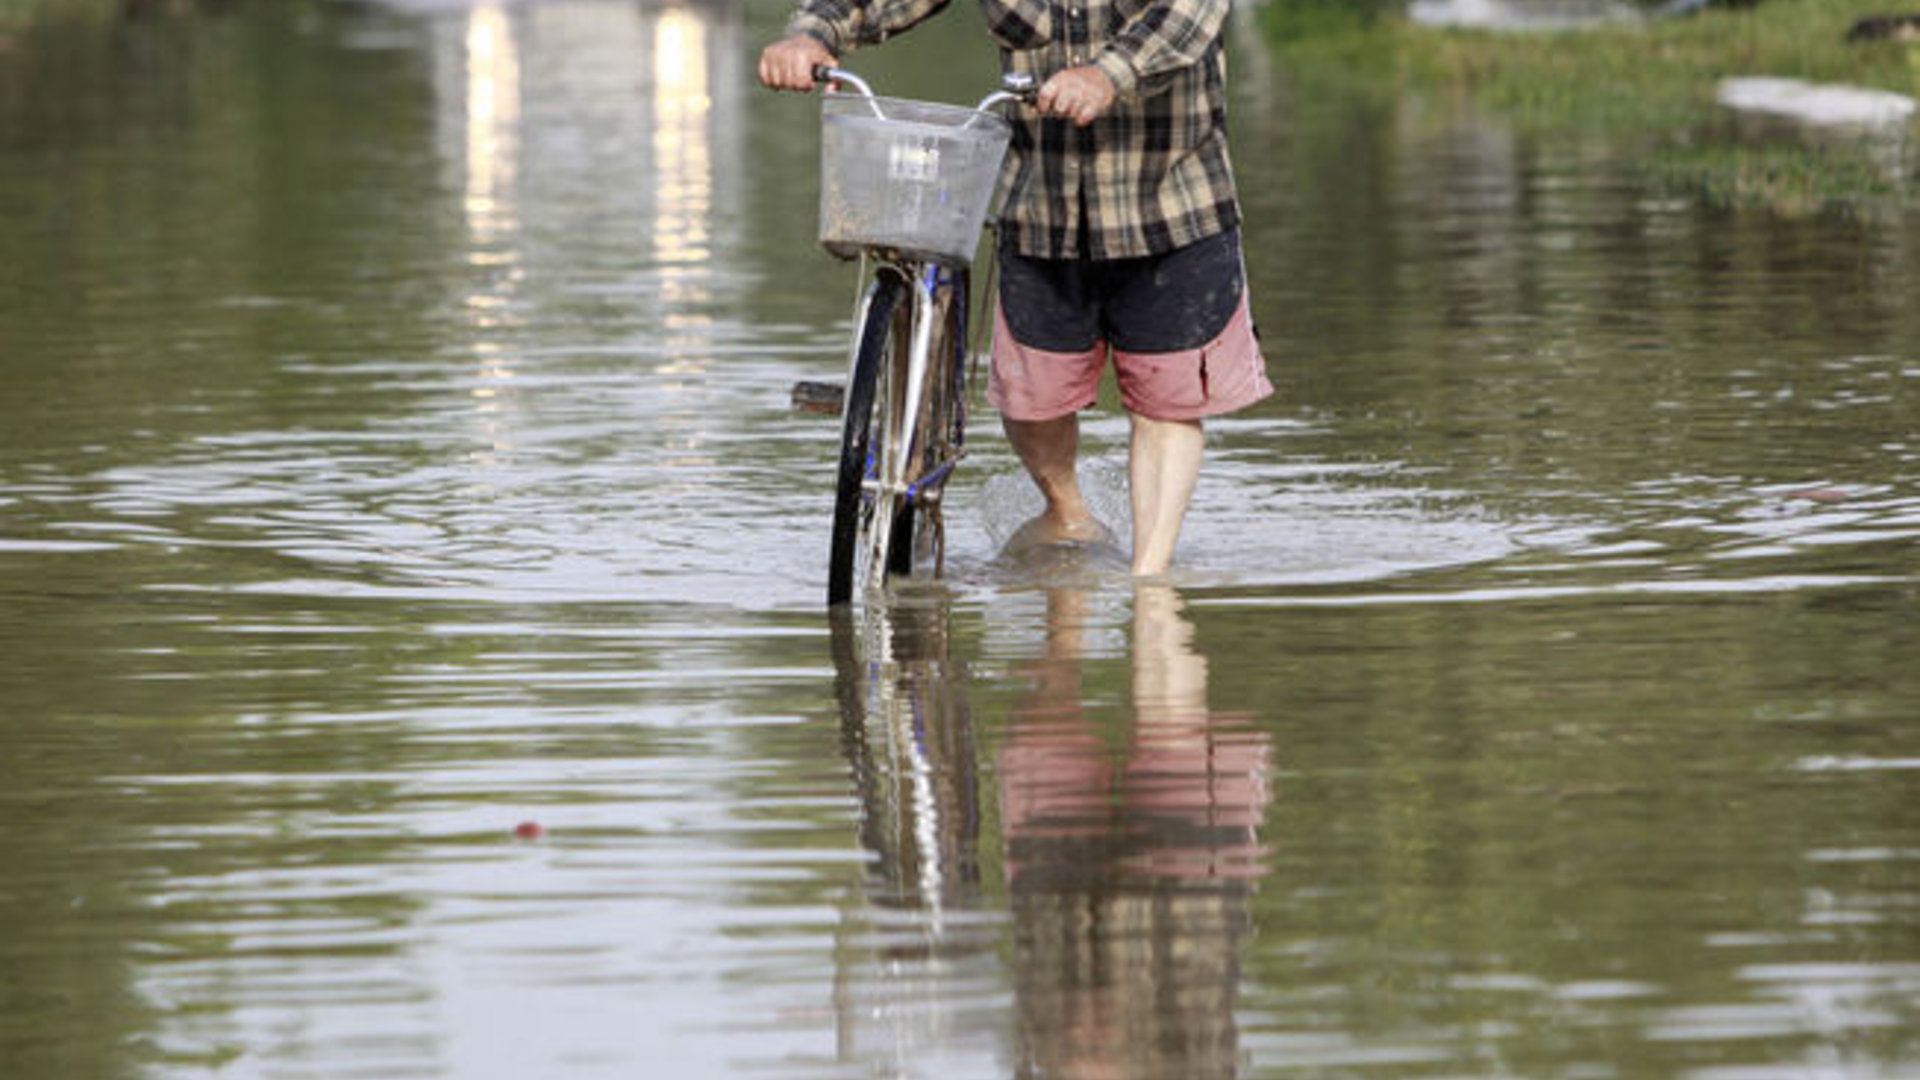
(683, 159)
(916, 974)
(492, 117)
(493, 126)
(1128, 846)
(595, 153)
(1130, 870)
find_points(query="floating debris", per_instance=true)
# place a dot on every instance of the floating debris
(818, 397)
(1823, 494)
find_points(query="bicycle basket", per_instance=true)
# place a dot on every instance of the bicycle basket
(911, 176)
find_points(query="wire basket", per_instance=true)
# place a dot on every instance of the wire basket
(912, 177)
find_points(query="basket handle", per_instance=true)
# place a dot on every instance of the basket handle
(824, 74)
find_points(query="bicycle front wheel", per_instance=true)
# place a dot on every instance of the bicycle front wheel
(872, 527)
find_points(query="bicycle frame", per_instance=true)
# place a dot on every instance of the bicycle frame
(906, 465)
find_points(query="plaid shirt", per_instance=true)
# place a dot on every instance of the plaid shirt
(1150, 175)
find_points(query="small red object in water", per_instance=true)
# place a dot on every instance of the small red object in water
(529, 830)
(1819, 494)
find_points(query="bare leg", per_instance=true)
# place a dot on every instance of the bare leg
(1050, 449)
(1163, 463)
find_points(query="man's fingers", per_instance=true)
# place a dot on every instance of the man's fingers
(1078, 95)
(1077, 111)
(1054, 100)
(789, 72)
(788, 64)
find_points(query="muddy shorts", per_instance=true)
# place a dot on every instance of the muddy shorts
(1178, 326)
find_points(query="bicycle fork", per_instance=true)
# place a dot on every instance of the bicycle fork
(890, 456)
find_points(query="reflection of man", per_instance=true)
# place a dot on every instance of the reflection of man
(1130, 872)
(1120, 231)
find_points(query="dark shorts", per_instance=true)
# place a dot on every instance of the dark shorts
(1178, 326)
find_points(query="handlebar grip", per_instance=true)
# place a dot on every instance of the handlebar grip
(822, 73)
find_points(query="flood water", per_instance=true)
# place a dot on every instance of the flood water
(413, 662)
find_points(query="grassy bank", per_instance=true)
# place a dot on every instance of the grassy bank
(1650, 85)
(17, 15)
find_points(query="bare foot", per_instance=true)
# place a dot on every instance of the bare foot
(1046, 549)
(1045, 530)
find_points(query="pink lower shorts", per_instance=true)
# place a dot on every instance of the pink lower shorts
(1224, 375)
(1178, 327)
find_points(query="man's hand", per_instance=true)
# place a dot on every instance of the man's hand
(788, 64)
(1079, 94)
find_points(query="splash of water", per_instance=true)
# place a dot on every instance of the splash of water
(1008, 500)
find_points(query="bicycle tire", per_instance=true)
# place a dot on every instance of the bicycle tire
(857, 514)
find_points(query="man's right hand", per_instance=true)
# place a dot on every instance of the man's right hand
(1080, 94)
(788, 64)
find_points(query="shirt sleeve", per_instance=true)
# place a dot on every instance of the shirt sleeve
(1165, 37)
(843, 25)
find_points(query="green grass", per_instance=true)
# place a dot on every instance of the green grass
(1650, 86)
(17, 15)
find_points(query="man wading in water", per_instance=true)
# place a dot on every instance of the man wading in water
(1120, 231)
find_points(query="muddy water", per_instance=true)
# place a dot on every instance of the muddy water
(395, 459)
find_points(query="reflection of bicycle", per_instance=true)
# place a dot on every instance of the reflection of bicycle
(905, 185)
(918, 941)
(908, 734)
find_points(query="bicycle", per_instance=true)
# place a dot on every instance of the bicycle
(905, 187)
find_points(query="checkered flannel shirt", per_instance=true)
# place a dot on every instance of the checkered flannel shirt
(1151, 175)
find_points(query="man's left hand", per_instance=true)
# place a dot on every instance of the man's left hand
(1079, 94)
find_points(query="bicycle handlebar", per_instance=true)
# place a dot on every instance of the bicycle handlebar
(822, 74)
(1013, 87)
